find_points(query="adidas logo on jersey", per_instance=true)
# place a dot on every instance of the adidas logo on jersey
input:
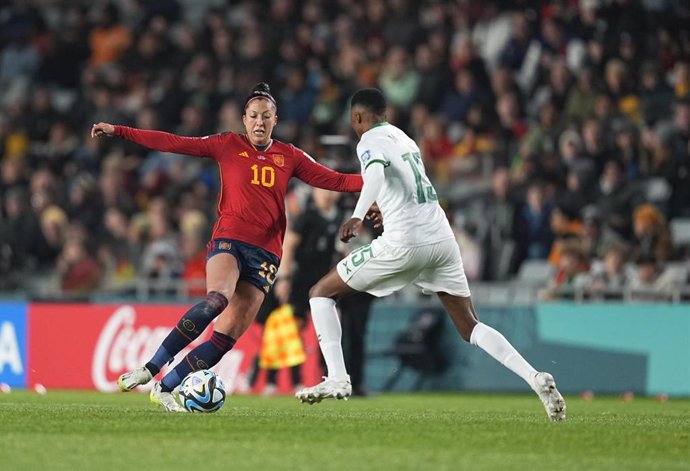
(243, 154)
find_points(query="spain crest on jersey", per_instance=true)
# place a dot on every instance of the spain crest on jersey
(279, 159)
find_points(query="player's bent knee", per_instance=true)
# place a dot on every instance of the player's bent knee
(316, 291)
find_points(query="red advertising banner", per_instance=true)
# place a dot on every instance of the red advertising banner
(88, 346)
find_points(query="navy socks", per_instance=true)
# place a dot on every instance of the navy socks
(190, 326)
(202, 357)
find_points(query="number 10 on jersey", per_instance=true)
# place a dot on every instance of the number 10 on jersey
(264, 176)
(424, 192)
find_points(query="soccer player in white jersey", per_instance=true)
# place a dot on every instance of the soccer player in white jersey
(417, 246)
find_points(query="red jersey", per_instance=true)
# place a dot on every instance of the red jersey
(251, 202)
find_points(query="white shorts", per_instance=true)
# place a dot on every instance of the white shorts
(380, 269)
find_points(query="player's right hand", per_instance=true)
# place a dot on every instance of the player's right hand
(350, 229)
(102, 129)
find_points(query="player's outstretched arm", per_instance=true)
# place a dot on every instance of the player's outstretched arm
(159, 140)
(320, 176)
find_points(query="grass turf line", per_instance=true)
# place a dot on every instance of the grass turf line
(87, 430)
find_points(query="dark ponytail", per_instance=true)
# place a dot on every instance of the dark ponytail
(260, 90)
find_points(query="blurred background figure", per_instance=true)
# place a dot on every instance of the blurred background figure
(650, 281)
(608, 277)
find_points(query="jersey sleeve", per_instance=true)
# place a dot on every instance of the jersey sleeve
(374, 179)
(369, 155)
(207, 146)
(315, 174)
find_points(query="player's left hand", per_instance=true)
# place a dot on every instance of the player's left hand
(350, 229)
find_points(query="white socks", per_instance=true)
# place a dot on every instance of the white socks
(329, 333)
(495, 344)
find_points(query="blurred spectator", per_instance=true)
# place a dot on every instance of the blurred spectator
(594, 144)
(575, 196)
(652, 235)
(13, 174)
(566, 230)
(459, 99)
(542, 137)
(398, 80)
(193, 226)
(110, 38)
(581, 98)
(678, 173)
(681, 78)
(656, 95)
(534, 233)
(436, 148)
(79, 271)
(54, 232)
(85, 203)
(576, 162)
(160, 259)
(628, 150)
(609, 277)
(616, 198)
(650, 282)
(511, 128)
(435, 77)
(19, 60)
(118, 260)
(194, 269)
(495, 217)
(571, 264)
(297, 99)
(20, 230)
(516, 47)
(596, 236)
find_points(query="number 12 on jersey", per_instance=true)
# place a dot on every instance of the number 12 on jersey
(424, 192)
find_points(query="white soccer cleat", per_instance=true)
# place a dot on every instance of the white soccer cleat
(134, 378)
(165, 399)
(554, 404)
(327, 389)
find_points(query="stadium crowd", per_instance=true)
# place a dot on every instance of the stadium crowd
(553, 130)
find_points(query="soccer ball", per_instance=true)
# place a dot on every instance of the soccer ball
(202, 391)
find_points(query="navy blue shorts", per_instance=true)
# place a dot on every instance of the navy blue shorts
(256, 265)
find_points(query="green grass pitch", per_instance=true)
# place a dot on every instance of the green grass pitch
(86, 430)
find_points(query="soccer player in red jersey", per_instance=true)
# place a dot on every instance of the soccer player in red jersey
(245, 250)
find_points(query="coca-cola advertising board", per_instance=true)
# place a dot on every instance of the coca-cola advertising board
(87, 346)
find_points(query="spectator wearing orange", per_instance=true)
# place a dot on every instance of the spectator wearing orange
(652, 234)
(110, 38)
(565, 228)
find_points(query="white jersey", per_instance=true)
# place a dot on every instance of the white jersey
(408, 202)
